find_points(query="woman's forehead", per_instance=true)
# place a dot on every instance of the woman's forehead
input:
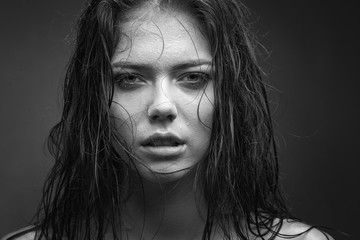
(163, 37)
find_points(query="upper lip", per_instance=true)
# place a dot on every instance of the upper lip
(162, 139)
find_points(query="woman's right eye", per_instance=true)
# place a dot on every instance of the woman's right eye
(128, 81)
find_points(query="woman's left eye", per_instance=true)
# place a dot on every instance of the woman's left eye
(195, 80)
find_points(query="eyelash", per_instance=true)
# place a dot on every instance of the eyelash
(129, 81)
(202, 77)
(122, 80)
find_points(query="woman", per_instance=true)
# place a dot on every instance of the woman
(166, 131)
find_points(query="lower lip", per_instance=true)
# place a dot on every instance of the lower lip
(163, 151)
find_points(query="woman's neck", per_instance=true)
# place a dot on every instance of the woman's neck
(174, 210)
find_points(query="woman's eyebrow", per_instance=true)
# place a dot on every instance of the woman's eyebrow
(191, 64)
(176, 67)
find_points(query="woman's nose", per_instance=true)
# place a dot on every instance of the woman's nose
(162, 106)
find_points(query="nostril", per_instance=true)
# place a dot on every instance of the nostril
(171, 117)
(159, 117)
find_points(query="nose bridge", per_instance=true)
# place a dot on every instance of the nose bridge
(162, 105)
(162, 91)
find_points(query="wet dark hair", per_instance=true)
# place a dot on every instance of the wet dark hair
(85, 190)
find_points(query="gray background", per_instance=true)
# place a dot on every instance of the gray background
(314, 56)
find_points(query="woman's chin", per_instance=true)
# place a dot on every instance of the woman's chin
(163, 175)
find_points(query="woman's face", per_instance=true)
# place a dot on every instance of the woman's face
(163, 100)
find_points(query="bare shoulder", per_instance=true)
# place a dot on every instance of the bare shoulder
(302, 231)
(26, 233)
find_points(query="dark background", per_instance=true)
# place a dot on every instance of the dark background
(314, 64)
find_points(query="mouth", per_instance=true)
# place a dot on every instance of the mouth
(163, 146)
(162, 141)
